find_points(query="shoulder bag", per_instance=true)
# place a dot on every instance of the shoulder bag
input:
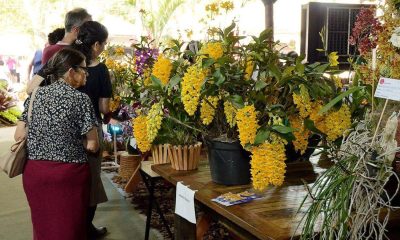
(12, 162)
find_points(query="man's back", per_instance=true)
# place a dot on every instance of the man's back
(49, 51)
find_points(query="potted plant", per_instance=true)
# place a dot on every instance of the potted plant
(252, 95)
(162, 125)
(350, 198)
(9, 111)
(354, 198)
(245, 98)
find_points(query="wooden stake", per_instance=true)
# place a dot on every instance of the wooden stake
(372, 95)
(115, 148)
(379, 122)
(373, 67)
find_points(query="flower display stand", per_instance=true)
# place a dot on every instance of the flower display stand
(185, 157)
(160, 153)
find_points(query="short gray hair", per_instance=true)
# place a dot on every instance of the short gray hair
(75, 18)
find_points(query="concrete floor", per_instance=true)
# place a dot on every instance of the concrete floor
(118, 215)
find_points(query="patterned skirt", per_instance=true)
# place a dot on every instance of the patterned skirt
(58, 195)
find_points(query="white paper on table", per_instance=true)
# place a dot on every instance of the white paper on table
(184, 202)
(388, 88)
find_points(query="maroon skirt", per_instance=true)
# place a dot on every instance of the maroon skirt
(58, 195)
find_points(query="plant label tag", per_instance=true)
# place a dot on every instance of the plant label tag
(132, 142)
(184, 203)
(388, 88)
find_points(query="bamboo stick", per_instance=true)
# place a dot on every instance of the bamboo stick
(180, 157)
(165, 153)
(175, 157)
(155, 155)
(171, 157)
(191, 163)
(185, 158)
(160, 153)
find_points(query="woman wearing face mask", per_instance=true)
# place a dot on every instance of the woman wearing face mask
(62, 129)
(91, 41)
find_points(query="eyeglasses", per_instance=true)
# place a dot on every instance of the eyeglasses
(85, 69)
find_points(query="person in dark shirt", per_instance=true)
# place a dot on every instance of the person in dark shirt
(91, 42)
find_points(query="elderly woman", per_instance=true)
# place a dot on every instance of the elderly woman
(62, 131)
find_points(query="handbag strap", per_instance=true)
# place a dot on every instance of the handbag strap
(31, 104)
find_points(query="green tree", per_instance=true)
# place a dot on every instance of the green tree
(29, 17)
(156, 14)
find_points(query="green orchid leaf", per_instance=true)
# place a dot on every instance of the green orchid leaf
(288, 71)
(288, 136)
(262, 136)
(338, 98)
(177, 100)
(282, 129)
(300, 59)
(229, 29)
(247, 146)
(310, 125)
(156, 82)
(276, 106)
(255, 39)
(322, 68)
(300, 68)
(264, 35)
(260, 85)
(207, 62)
(237, 101)
(274, 70)
(175, 80)
(176, 42)
(220, 78)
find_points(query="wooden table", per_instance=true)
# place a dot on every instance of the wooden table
(149, 178)
(271, 217)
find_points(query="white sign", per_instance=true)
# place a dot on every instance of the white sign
(388, 88)
(184, 203)
(133, 143)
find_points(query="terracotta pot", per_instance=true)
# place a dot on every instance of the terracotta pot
(185, 157)
(160, 153)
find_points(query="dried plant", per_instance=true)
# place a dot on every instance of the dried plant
(350, 200)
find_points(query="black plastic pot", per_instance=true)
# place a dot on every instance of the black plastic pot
(229, 163)
(292, 155)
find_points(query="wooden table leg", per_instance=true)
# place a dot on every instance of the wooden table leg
(202, 226)
(184, 230)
